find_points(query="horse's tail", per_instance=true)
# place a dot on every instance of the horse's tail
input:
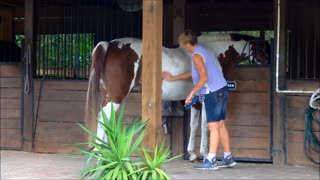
(92, 102)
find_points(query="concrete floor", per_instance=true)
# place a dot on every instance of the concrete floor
(23, 165)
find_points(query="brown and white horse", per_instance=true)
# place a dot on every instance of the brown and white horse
(116, 70)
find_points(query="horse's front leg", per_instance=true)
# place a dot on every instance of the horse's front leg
(193, 132)
(204, 132)
(107, 110)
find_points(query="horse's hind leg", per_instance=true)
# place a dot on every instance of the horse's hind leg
(204, 132)
(107, 109)
(193, 132)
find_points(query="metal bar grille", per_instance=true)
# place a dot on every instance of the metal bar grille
(68, 30)
(303, 40)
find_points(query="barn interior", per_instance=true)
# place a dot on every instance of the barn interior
(61, 34)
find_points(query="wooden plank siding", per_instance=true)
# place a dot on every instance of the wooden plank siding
(295, 113)
(62, 106)
(10, 106)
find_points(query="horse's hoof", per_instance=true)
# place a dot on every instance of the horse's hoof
(195, 161)
(193, 158)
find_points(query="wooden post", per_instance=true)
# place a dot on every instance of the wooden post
(178, 18)
(177, 123)
(152, 70)
(28, 96)
(278, 149)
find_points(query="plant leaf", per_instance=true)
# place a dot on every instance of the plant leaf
(124, 175)
(120, 118)
(154, 175)
(139, 163)
(90, 133)
(147, 158)
(105, 119)
(112, 119)
(119, 175)
(88, 160)
(116, 171)
(145, 175)
(163, 173)
(96, 167)
(109, 174)
(85, 171)
(139, 170)
(129, 167)
(93, 154)
(160, 174)
(137, 142)
(173, 158)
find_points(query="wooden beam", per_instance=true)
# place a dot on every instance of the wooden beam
(28, 96)
(178, 19)
(151, 71)
(278, 148)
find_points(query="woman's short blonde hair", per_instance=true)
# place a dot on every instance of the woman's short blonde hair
(188, 37)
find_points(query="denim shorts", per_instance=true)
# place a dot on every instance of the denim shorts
(216, 104)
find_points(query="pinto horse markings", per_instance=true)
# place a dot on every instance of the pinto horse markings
(116, 69)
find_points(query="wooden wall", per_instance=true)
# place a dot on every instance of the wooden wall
(248, 114)
(295, 113)
(248, 117)
(10, 116)
(61, 106)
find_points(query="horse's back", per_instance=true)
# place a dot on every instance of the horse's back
(135, 44)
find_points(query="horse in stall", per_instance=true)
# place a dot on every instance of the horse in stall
(116, 70)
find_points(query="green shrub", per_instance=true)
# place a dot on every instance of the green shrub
(114, 157)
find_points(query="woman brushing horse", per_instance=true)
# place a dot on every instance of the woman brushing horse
(116, 69)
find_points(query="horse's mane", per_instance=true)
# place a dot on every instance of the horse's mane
(214, 37)
(225, 37)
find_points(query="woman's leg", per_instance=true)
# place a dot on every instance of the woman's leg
(224, 136)
(209, 162)
(214, 137)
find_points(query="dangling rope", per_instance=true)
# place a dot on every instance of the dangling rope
(37, 113)
(311, 141)
(27, 60)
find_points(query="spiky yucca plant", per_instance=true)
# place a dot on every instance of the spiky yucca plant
(150, 166)
(113, 158)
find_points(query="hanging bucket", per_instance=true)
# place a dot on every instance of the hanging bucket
(130, 5)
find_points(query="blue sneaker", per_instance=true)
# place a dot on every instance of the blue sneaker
(227, 162)
(207, 165)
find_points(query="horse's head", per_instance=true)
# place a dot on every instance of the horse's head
(230, 59)
(260, 52)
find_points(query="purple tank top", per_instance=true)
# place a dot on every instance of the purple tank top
(216, 80)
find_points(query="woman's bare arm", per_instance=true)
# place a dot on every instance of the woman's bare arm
(201, 68)
(167, 76)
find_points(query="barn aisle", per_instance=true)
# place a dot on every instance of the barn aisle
(24, 165)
